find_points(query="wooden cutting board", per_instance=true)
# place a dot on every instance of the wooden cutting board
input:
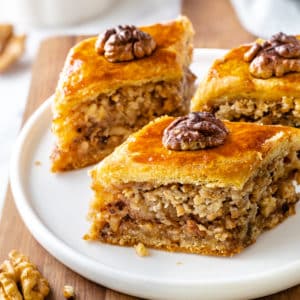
(216, 26)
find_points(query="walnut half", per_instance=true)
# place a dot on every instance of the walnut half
(11, 46)
(125, 43)
(275, 57)
(197, 130)
(19, 271)
(6, 32)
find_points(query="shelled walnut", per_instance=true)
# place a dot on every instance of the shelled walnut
(197, 130)
(275, 57)
(125, 43)
(6, 32)
(11, 46)
(20, 279)
(68, 292)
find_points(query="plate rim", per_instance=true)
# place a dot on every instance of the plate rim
(75, 260)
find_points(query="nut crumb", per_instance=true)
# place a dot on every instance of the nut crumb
(6, 32)
(69, 292)
(20, 279)
(141, 250)
(37, 163)
(179, 263)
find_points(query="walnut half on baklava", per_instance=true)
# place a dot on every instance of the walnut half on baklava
(114, 85)
(213, 201)
(257, 82)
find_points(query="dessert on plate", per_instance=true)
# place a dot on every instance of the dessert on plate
(195, 184)
(112, 85)
(257, 82)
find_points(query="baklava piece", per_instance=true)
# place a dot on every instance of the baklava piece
(258, 82)
(115, 84)
(195, 185)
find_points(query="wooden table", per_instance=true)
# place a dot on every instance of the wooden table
(216, 27)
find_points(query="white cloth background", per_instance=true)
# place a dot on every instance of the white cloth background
(15, 83)
(264, 18)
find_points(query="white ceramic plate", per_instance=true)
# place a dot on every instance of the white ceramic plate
(54, 206)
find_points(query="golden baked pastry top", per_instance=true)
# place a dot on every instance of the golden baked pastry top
(143, 158)
(86, 74)
(229, 78)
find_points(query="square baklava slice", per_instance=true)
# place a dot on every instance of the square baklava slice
(113, 85)
(257, 82)
(214, 200)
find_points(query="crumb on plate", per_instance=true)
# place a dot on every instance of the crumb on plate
(69, 292)
(141, 250)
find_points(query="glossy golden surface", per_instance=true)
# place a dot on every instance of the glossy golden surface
(87, 73)
(229, 78)
(143, 158)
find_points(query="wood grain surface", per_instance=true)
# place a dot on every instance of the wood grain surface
(215, 23)
(216, 26)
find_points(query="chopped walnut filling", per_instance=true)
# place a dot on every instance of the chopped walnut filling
(197, 130)
(284, 112)
(275, 57)
(125, 43)
(17, 272)
(110, 119)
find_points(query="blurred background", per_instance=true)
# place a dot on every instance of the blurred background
(218, 24)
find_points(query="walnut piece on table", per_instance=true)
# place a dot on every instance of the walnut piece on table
(274, 57)
(6, 32)
(9, 288)
(18, 270)
(141, 250)
(69, 292)
(11, 46)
